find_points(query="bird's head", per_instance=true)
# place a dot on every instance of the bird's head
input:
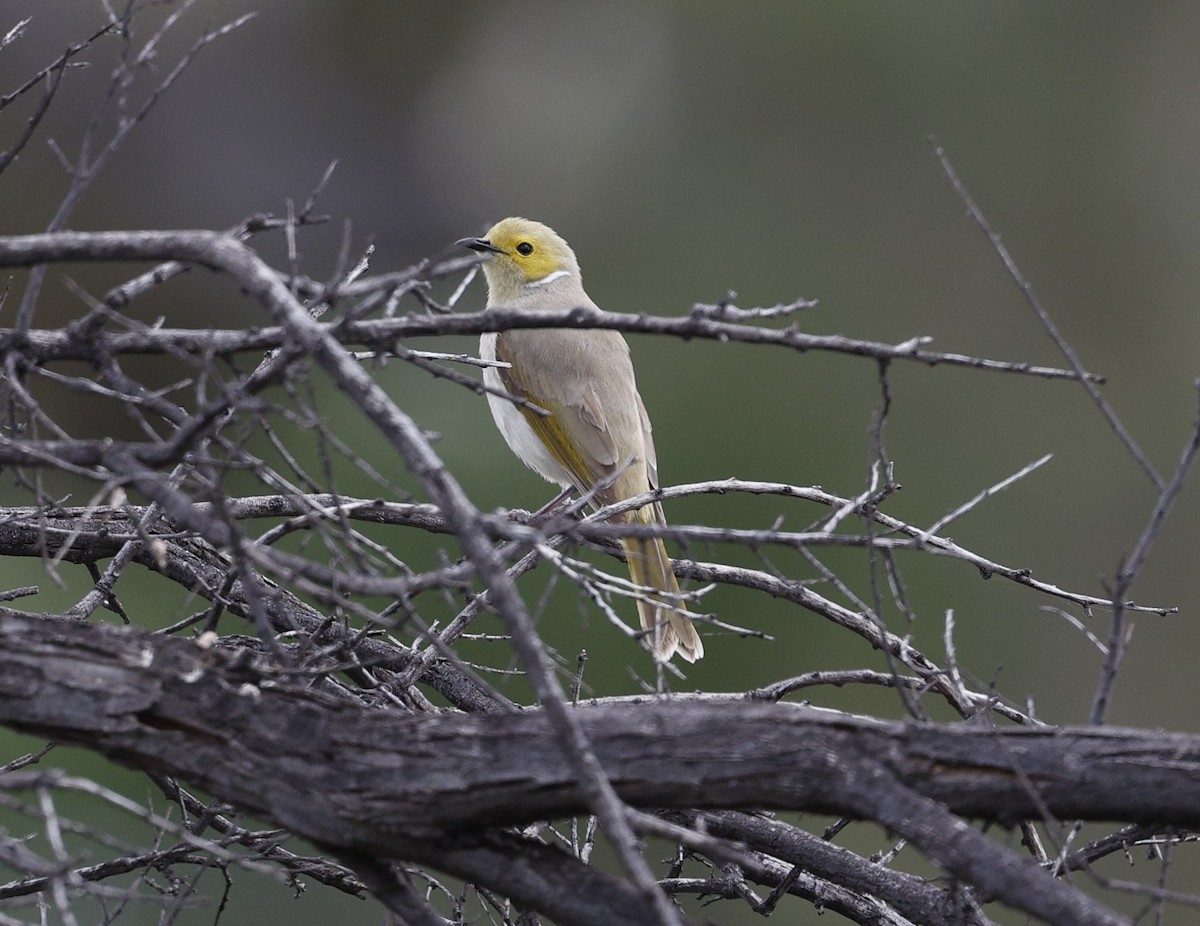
(525, 256)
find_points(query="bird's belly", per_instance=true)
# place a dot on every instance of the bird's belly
(512, 424)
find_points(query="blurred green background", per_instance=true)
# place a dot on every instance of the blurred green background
(776, 149)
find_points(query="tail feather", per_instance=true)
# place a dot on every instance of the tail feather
(668, 630)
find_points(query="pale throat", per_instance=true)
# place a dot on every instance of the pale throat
(548, 278)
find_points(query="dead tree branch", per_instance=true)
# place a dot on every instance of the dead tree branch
(204, 715)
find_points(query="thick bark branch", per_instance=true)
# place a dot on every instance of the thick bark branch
(411, 787)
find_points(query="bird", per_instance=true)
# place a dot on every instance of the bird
(596, 438)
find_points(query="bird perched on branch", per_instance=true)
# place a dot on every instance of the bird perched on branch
(596, 438)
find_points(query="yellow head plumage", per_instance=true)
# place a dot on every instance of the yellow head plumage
(524, 255)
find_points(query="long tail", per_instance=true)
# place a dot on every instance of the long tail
(668, 631)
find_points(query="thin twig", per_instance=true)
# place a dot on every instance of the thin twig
(1130, 569)
(983, 496)
(1043, 316)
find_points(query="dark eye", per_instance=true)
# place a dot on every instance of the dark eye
(525, 248)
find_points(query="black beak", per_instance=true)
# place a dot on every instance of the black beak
(479, 244)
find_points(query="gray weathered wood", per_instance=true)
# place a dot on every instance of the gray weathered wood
(432, 788)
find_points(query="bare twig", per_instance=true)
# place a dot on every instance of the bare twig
(1043, 316)
(84, 170)
(1130, 569)
(983, 496)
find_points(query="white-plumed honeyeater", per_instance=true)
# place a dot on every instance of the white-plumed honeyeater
(596, 438)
